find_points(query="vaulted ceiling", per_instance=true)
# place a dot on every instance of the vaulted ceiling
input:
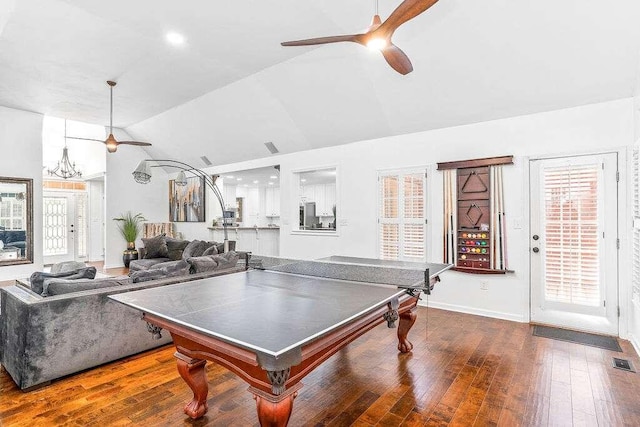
(232, 87)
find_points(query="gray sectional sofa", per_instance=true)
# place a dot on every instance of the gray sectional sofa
(75, 328)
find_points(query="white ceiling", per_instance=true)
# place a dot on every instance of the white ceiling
(232, 87)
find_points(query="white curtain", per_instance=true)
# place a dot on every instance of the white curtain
(450, 216)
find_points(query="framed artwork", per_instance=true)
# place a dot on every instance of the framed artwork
(186, 202)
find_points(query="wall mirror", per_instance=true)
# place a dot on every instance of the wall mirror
(317, 200)
(16, 221)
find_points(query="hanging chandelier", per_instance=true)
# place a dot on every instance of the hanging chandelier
(65, 169)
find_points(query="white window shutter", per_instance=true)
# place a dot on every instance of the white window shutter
(402, 216)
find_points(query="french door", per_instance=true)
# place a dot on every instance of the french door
(64, 226)
(574, 243)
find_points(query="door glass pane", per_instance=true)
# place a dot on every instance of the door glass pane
(571, 258)
(55, 226)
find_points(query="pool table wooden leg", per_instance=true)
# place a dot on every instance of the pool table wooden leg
(407, 319)
(274, 411)
(193, 373)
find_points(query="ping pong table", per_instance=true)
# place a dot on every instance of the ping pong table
(273, 327)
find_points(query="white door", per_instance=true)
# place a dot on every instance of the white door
(64, 224)
(574, 243)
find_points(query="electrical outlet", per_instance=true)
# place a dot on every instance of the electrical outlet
(484, 285)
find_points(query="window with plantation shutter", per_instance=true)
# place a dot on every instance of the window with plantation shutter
(636, 223)
(572, 230)
(401, 220)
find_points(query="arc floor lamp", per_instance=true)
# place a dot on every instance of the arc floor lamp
(143, 175)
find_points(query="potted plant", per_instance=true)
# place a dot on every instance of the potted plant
(129, 226)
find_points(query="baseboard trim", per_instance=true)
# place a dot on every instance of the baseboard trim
(475, 311)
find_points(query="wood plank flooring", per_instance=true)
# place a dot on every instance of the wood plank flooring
(464, 371)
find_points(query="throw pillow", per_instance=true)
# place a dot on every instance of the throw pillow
(195, 248)
(175, 247)
(220, 247)
(37, 279)
(155, 247)
(211, 250)
(226, 260)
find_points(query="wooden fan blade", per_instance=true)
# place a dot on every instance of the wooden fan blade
(133, 143)
(407, 10)
(85, 139)
(398, 60)
(356, 38)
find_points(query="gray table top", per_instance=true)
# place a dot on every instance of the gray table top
(266, 311)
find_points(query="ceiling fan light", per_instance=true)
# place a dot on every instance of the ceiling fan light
(377, 44)
(142, 174)
(112, 144)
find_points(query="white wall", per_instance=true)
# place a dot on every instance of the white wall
(96, 219)
(21, 157)
(124, 194)
(591, 128)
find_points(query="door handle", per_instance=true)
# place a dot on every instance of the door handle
(536, 237)
(535, 250)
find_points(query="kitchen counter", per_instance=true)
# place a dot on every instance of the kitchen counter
(257, 240)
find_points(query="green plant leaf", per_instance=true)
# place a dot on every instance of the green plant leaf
(129, 225)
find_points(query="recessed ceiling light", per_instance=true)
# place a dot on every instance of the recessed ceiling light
(270, 183)
(256, 181)
(303, 180)
(175, 39)
(238, 179)
(229, 176)
(273, 177)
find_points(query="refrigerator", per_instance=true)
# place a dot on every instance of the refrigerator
(308, 218)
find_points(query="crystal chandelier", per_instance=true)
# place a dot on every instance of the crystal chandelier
(65, 169)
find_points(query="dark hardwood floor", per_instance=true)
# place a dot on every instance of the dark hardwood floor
(464, 370)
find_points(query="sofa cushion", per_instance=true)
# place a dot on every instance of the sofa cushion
(175, 247)
(145, 264)
(37, 279)
(195, 248)
(171, 269)
(211, 250)
(203, 264)
(155, 247)
(55, 286)
(227, 260)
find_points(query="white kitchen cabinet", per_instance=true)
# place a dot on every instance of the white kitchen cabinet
(257, 240)
(229, 195)
(272, 202)
(309, 193)
(325, 199)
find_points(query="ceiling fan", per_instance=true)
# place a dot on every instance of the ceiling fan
(111, 142)
(378, 35)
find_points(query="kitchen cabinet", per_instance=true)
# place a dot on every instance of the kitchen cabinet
(309, 193)
(272, 202)
(229, 195)
(325, 199)
(257, 240)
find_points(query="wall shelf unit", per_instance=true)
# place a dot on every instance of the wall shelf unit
(473, 223)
